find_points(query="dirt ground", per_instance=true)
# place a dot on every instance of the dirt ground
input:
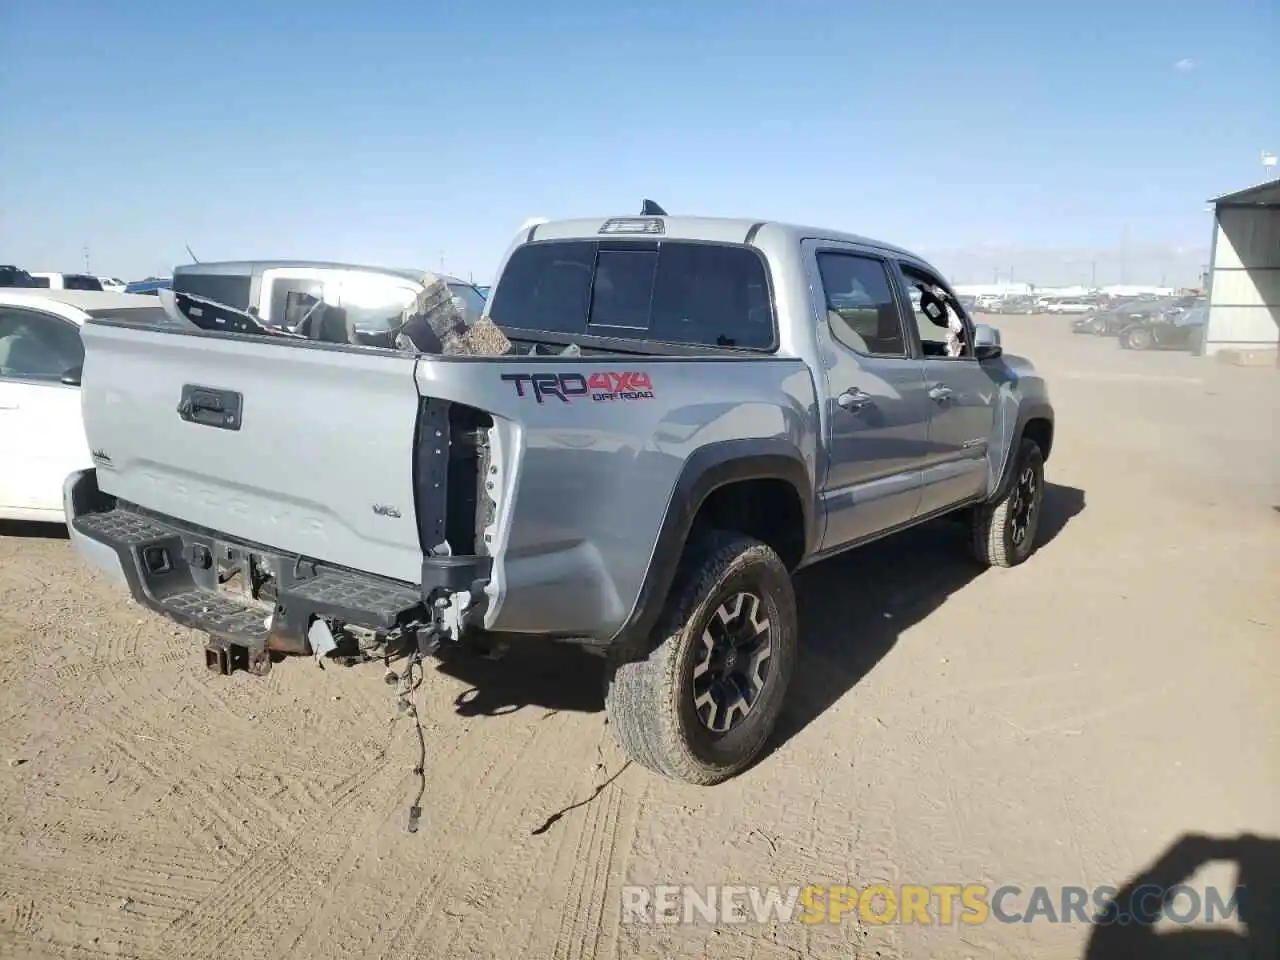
(1067, 722)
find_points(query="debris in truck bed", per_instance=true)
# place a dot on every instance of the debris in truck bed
(434, 323)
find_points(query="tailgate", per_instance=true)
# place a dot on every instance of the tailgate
(305, 449)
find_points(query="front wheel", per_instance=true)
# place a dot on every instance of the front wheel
(700, 707)
(1004, 532)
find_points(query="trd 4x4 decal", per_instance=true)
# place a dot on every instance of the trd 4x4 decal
(599, 387)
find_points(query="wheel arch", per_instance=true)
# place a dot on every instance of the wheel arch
(1035, 422)
(719, 480)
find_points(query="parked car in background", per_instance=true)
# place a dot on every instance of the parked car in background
(1185, 331)
(1023, 306)
(1109, 322)
(11, 276)
(1068, 306)
(149, 286)
(68, 281)
(41, 433)
(112, 284)
(281, 292)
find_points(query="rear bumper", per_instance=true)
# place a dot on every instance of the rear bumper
(173, 568)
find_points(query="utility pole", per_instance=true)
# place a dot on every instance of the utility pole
(1124, 252)
(86, 258)
(1093, 274)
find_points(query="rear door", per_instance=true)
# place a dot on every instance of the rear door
(41, 433)
(875, 410)
(961, 400)
(305, 448)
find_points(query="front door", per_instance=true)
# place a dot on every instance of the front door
(962, 395)
(876, 414)
(41, 430)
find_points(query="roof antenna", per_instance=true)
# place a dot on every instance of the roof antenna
(650, 209)
(194, 258)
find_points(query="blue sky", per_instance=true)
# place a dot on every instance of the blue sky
(397, 132)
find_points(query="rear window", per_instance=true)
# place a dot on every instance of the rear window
(714, 295)
(75, 281)
(228, 289)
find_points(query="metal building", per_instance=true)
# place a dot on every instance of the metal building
(1244, 273)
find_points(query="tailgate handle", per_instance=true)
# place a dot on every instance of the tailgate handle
(211, 407)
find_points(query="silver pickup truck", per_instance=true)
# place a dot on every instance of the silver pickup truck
(691, 410)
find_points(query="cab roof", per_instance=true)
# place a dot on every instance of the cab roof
(712, 229)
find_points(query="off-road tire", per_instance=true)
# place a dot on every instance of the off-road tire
(992, 534)
(650, 701)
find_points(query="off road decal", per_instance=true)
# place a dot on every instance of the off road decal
(601, 387)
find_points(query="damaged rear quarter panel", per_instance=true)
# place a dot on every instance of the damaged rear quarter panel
(586, 471)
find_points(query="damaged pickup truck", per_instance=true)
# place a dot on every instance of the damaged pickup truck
(656, 422)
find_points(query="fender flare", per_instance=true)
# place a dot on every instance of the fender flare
(706, 470)
(1034, 410)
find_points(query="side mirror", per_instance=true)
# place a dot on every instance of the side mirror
(72, 377)
(986, 342)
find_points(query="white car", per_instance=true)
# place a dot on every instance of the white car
(1069, 306)
(41, 432)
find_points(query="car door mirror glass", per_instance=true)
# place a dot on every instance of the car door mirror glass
(986, 342)
(73, 376)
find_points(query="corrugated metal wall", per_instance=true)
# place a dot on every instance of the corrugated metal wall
(1244, 299)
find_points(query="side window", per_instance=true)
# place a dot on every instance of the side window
(939, 318)
(36, 346)
(861, 310)
(78, 281)
(232, 290)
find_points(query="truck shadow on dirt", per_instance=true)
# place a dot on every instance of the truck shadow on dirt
(853, 608)
(844, 630)
(1126, 930)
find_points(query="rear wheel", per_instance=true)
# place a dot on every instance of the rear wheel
(701, 706)
(1139, 339)
(1004, 532)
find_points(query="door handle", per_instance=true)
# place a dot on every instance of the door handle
(941, 393)
(854, 400)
